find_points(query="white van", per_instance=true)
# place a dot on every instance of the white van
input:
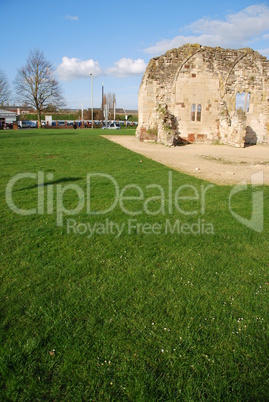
(27, 124)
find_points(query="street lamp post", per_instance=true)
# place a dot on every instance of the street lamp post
(102, 101)
(92, 100)
(126, 117)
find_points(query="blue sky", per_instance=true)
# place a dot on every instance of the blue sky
(115, 40)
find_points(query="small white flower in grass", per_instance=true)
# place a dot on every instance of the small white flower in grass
(162, 350)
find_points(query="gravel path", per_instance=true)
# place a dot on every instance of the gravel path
(220, 164)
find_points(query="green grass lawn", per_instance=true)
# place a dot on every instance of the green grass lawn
(151, 314)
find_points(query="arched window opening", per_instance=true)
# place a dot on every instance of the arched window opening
(196, 112)
(199, 112)
(242, 101)
(193, 109)
(247, 102)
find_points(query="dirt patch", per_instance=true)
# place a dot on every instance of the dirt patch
(220, 164)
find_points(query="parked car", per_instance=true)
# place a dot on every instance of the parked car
(105, 125)
(9, 126)
(114, 126)
(111, 126)
(27, 124)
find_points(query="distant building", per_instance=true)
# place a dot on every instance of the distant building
(6, 116)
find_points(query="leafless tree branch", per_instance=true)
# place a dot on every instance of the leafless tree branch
(36, 85)
(4, 88)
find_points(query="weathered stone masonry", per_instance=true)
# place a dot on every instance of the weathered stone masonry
(189, 94)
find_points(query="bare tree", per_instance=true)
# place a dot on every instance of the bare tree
(4, 88)
(36, 85)
(111, 99)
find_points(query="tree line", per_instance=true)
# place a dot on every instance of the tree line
(36, 86)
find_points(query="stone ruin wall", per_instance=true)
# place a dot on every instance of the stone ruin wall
(210, 79)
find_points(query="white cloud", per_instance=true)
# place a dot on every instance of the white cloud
(71, 17)
(238, 30)
(71, 69)
(125, 67)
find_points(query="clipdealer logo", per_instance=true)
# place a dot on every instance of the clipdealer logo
(257, 216)
(186, 200)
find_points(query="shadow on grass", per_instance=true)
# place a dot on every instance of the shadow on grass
(58, 181)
